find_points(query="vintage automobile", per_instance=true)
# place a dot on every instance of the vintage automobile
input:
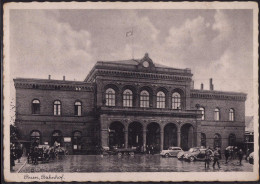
(197, 154)
(181, 153)
(251, 158)
(171, 152)
(119, 151)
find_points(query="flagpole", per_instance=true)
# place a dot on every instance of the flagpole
(132, 42)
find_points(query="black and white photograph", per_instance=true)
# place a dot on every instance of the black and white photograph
(131, 91)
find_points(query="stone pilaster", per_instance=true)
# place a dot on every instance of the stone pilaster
(126, 139)
(162, 139)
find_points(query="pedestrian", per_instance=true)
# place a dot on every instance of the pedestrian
(207, 157)
(19, 152)
(217, 156)
(35, 156)
(227, 154)
(152, 150)
(232, 153)
(247, 154)
(240, 156)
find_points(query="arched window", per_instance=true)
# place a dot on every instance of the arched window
(176, 101)
(217, 140)
(202, 109)
(232, 140)
(128, 98)
(231, 114)
(203, 140)
(77, 108)
(160, 100)
(36, 106)
(216, 114)
(35, 136)
(77, 140)
(110, 97)
(57, 108)
(144, 99)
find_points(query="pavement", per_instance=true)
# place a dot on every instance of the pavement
(19, 165)
(126, 163)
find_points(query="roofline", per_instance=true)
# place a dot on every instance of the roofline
(18, 79)
(215, 91)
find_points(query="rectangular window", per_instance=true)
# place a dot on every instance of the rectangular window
(36, 109)
(57, 110)
(144, 101)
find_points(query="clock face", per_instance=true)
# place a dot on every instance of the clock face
(145, 64)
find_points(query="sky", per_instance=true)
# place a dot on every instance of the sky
(214, 44)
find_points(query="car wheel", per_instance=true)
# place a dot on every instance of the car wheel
(167, 155)
(179, 157)
(192, 159)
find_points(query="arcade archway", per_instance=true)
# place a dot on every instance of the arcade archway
(170, 135)
(135, 134)
(116, 135)
(187, 136)
(153, 136)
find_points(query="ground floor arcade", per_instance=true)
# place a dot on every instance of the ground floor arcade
(146, 133)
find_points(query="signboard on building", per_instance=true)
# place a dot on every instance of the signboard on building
(67, 139)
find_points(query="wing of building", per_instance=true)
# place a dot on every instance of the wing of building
(131, 103)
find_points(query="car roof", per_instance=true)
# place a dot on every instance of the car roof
(174, 147)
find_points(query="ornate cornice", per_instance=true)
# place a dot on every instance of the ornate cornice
(52, 85)
(218, 95)
(139, 75)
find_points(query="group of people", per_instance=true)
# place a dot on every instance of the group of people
(217, 156)
(43, 153)
(233, 153)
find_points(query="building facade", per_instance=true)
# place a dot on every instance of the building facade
(130, 103)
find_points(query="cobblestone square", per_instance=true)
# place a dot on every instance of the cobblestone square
(137, 163)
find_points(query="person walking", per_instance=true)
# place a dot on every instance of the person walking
(207, 158)
(227, 154)
(217, 156)
(240, 156)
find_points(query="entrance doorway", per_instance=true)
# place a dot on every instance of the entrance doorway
(57, 138)
(170, 136)
(153, 136)
(135, 135)
(187, 136)
(116, 135)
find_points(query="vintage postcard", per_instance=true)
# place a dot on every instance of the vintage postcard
(147, 91)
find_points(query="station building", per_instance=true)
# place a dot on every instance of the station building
(130, 103)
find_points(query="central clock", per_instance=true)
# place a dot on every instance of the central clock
(145, 64)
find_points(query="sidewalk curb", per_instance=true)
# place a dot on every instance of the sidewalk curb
(21, 167)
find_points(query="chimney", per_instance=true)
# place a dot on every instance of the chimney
(201, 86)
(211, 86)
(192, 84)
(64, 78)
(49, 77)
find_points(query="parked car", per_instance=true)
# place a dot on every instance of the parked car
(171, 151)
(181, 153)
(251, 158)
(197, 154)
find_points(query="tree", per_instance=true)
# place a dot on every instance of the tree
(14, 133)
